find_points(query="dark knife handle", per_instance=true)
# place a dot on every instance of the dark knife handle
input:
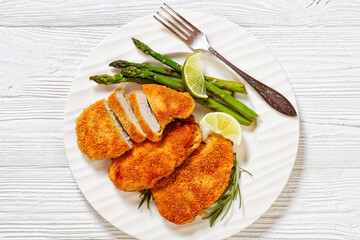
(271, 96)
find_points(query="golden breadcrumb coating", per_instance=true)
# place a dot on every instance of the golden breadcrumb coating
(126, 122)
(97, 134)
(197, 183)
(168, 104)
(152, 136)
(148, 162)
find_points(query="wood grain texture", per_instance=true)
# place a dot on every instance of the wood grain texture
(43, 44)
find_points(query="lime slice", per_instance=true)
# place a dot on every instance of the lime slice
(223, 124)
(192, 76)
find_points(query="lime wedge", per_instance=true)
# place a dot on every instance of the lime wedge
(224, 124)
(192, 76)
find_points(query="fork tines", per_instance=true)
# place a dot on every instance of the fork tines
(176, 23)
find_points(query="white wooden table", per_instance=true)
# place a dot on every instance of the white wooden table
(43, 43)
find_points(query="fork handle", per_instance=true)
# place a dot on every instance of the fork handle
(271, 96)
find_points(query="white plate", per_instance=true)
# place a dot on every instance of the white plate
(268, 151)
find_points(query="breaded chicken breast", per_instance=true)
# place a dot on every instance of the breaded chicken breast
(168, 104)
(148, 162)
(197, 183)
(146, 117)
(99, 135)
(118, 102)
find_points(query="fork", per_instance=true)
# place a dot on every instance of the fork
(198, 40)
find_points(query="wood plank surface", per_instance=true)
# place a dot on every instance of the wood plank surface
(43, 44)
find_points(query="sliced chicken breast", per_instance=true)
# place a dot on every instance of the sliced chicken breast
(168, 104)
(99, 134)
(118, 102)
(146, 117)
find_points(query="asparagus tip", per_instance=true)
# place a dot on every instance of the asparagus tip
(95, 79)
(140, 45)
(135, 40)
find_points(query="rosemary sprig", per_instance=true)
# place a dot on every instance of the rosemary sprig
(145, 196)
(230, 194)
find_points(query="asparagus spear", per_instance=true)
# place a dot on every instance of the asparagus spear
(216, 106)
(165, 71)
(220, 83)
(148, 51)
(228, 85)
(233, 102)
(221, 94)
(117, 78)
(132, 71)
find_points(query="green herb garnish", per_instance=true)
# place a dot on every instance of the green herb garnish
(145, 196)
(230, 194)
